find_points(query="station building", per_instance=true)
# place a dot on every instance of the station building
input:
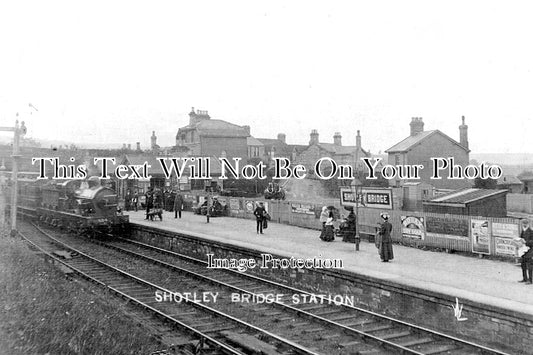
(470, 202)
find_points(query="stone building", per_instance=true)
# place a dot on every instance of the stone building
(341, 154)
(420, 146)
(206, 137)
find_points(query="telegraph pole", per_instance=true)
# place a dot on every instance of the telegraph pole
(18, 132)
(3, 184)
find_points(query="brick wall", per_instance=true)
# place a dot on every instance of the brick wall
(520, 203)
(234, 147)
(488, 325)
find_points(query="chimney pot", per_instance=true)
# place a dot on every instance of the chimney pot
(337, 139)
(417, 125)
(463, 134)
(313, 137)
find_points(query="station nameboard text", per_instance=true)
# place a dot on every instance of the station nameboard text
(367, 197)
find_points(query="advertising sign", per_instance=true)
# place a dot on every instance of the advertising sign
(367, 197)
(234, 204)
(304, 208)
(505, 246)
(506, 230)
(480, 229)
(450, 228)
(250, 206)
(504, 233)
(413, 227)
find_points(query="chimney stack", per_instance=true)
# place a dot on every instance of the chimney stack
(282, 137)
(358, 140)
(313, 137)
(138, 146)
(417, 126)
(197, 116)
(463, 134)
(153, 140)
(247, 129)
(337, 139)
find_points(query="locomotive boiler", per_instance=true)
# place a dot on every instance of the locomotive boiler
(78, 206)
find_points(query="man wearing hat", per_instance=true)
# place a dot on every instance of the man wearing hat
(385, 247)
(259, 214)
(527, 257)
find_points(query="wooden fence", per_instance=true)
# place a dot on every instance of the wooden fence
(474, 234)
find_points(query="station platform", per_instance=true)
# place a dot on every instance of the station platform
(490, 282)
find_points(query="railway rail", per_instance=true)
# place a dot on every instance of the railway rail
(217, 333)
(352, 329)
(393, 334)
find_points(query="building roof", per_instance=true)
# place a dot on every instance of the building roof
(251, 141)
(216, 128)
(408, 143)
(340, 149)
(298, 148)
(509, 180)
(465, 196)
(273, 142)
(525, 176)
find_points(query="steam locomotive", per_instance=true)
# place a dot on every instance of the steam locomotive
(78, 206)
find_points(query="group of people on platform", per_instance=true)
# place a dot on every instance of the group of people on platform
(131, 201)
(155, 201)
(347, 229)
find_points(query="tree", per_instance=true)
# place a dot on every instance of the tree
(480, 183)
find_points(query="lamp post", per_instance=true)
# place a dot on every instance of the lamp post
(18, 132)
(355, 185)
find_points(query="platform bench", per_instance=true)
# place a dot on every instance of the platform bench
(368, 232)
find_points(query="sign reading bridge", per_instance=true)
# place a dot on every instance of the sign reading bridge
(367, 197)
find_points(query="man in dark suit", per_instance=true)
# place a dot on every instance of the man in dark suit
(259, 214)
(149, 202)
(527, 257)
(178, 205)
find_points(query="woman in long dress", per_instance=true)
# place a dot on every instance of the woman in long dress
(329, 232)
(385, 248)
(323, 218)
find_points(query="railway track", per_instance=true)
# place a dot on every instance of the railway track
(216, 332)
(338, 328)
(351, 329)
(401, 337)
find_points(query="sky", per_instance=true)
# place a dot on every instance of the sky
(114, 71)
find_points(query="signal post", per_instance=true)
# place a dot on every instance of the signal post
(18, 132)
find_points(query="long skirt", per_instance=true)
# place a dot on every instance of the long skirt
(323, 230)
(385, 251)
(329, 234)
